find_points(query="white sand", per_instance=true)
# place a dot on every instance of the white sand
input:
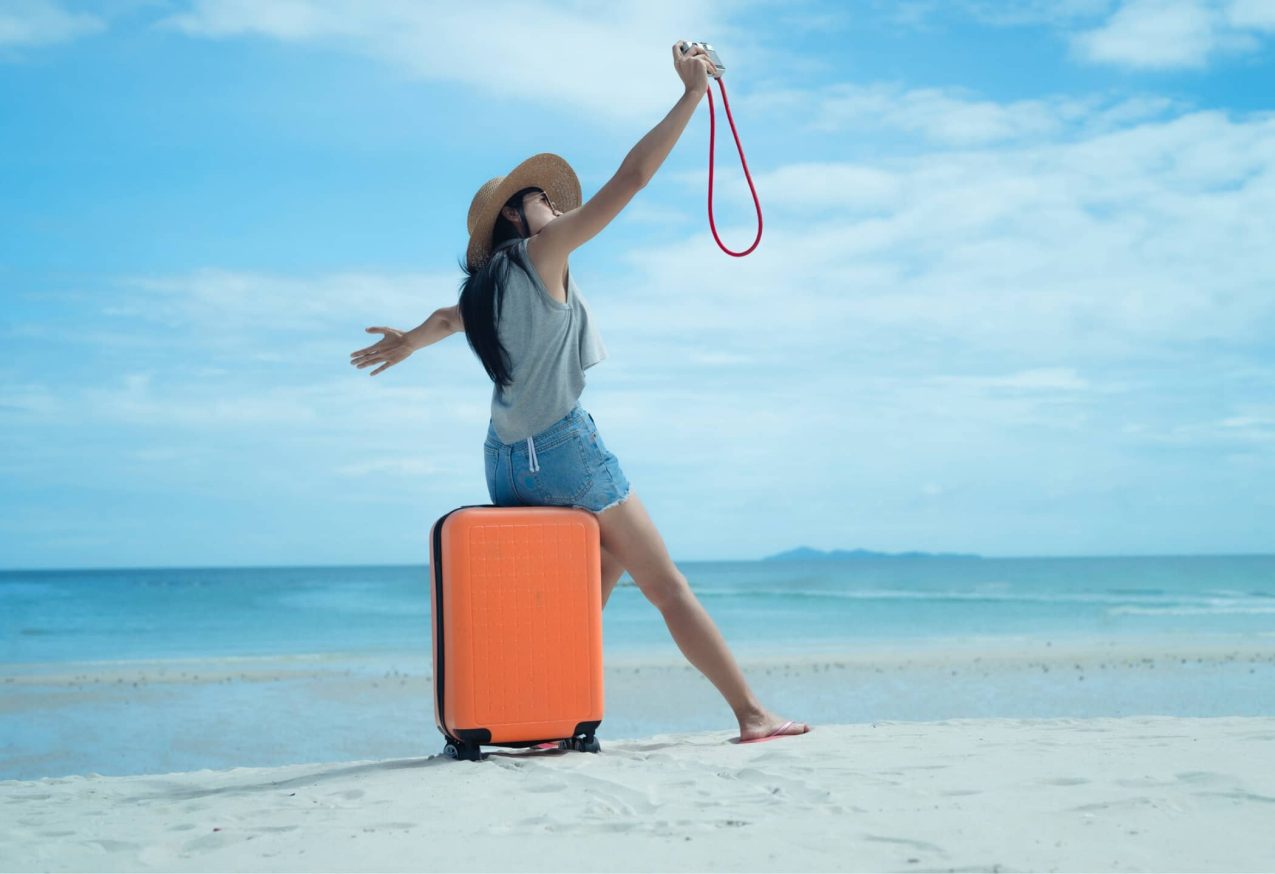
(1136, 793)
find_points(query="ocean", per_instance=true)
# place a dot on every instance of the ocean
(188, 658)
(105, 615)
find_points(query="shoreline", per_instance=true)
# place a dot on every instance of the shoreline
(927, 650)
(156, 716)
(1137, 793)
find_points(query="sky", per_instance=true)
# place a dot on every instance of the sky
(1013, 296)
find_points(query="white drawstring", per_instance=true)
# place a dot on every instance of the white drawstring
(531, 455)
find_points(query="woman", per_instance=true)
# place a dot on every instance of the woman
(525, 320)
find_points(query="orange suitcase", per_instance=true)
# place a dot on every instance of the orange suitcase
(516, 622)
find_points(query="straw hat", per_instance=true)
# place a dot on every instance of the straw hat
(546, 171)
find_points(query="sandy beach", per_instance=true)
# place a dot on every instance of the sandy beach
(123, 718)
(1127, 794)
(1045, 755)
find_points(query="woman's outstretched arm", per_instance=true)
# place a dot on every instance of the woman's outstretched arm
(397, 345)
(441, 323)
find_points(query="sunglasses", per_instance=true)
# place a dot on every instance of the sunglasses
(540, 196)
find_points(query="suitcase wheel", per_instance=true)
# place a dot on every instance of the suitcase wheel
(463, 751)
(583, 744)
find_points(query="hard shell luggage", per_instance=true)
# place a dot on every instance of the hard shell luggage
(516, 622)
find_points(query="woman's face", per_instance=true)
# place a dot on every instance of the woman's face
(539, 208)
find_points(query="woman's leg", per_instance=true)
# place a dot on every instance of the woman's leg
(612, 570)
(631, 539)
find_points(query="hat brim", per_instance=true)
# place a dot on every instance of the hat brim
(546, 171)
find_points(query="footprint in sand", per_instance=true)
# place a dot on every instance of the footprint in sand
(1120, 804)
(1202, 777)
(784, 787)
(544, 787)
(1240, 795)
(907, 842)
(211, 841)
(113, 846)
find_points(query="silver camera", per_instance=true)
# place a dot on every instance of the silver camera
(712, 56)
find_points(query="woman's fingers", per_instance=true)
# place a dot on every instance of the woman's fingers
(389, 349)
(695, 53)
(386, 358)
(367, 349)
(389, 362)
(379, 343)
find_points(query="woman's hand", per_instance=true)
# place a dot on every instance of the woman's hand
(393, 348)
(694, 67)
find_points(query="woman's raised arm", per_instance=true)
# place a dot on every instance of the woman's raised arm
(569, 231)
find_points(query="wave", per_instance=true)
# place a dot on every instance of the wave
(1204, 599)
(1208, 610)
(29, 590)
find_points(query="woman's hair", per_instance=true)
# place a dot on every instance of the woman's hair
(482, 293)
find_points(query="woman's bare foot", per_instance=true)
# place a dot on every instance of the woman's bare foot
(764, 723)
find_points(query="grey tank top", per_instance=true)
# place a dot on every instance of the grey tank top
(550, 346)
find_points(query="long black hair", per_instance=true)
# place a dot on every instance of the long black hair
(482, 293)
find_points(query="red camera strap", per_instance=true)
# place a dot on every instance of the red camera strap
(712, 139)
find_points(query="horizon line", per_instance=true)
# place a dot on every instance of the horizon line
(949, 555)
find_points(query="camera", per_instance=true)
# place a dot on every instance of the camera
(712, 56)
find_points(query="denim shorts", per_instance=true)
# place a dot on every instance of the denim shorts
(565, 465)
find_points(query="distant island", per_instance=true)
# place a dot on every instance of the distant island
(805, 553)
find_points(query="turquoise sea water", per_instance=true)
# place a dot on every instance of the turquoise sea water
(149, 671)
(63, 616)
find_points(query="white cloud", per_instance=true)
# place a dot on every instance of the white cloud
(1252, 427)
(951, 116)
(1045, 379)
(27, 399)
(1174, 34)
(940, 115)
(1254, 14)
(1143, 34)
(226, 303)
(816, 184)
(1161, 34)
(406, 465)
(1036, 11)
(1149, 237)
(26, 23)
(610, 59)
(135, 399)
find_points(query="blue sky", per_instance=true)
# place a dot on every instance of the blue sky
(1014, 293)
